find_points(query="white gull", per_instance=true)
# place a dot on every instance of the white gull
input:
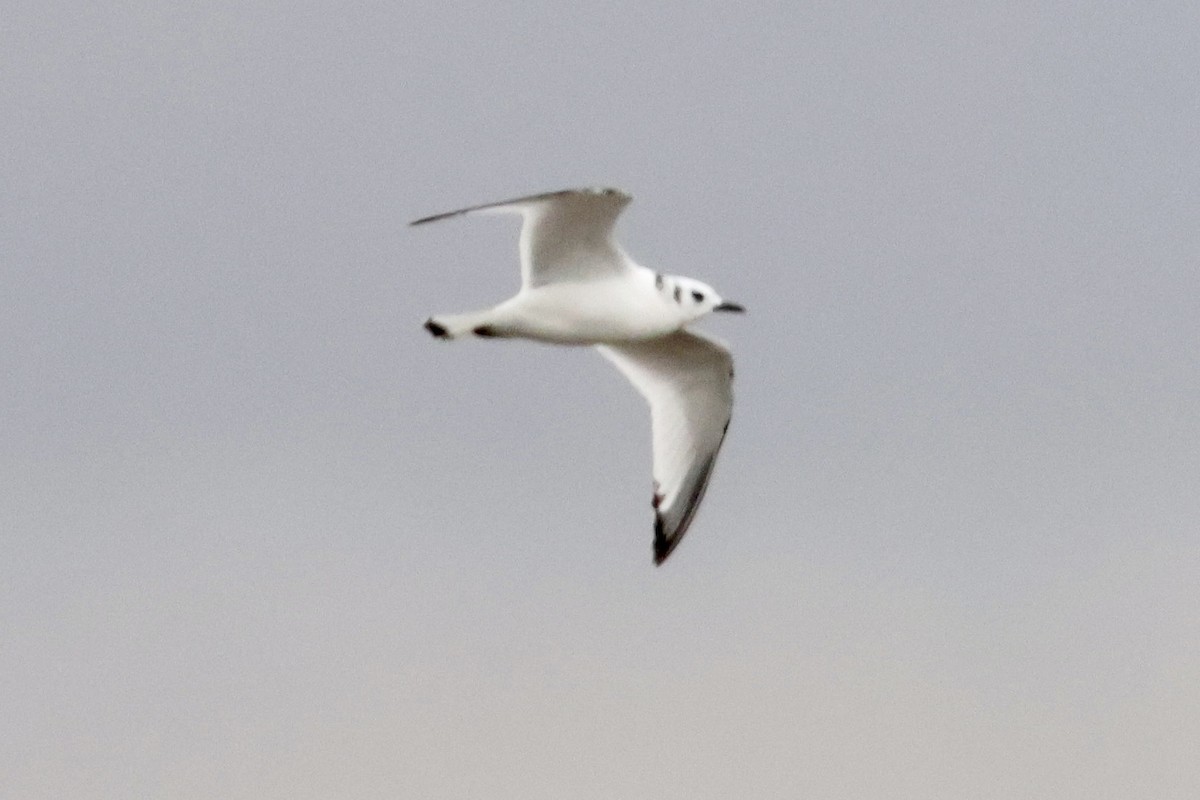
(579, 288)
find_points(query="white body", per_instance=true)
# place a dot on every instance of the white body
(606, 310)
(579, 288)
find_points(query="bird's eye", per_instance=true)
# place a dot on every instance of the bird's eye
(698, 297)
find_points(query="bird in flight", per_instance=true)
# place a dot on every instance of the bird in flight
(578, 287)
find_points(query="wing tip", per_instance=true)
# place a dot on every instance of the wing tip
(434, 218)
(665, 544)
(662, 545)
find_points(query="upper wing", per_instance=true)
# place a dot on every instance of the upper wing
(565, 236)
(688, 381)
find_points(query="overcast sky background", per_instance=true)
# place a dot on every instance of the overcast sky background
(261, 537)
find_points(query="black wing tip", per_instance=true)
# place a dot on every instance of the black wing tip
(662, 545)
(434, 218)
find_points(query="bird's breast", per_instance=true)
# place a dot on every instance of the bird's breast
(596, 312)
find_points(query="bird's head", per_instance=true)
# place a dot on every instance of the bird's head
(696, 298)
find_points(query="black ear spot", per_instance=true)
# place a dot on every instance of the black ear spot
(698, 297)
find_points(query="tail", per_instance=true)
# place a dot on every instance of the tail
(454, 326)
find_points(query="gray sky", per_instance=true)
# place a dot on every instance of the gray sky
(263, 538)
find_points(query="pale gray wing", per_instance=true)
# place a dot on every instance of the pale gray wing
(565, 236)
(688, 381)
